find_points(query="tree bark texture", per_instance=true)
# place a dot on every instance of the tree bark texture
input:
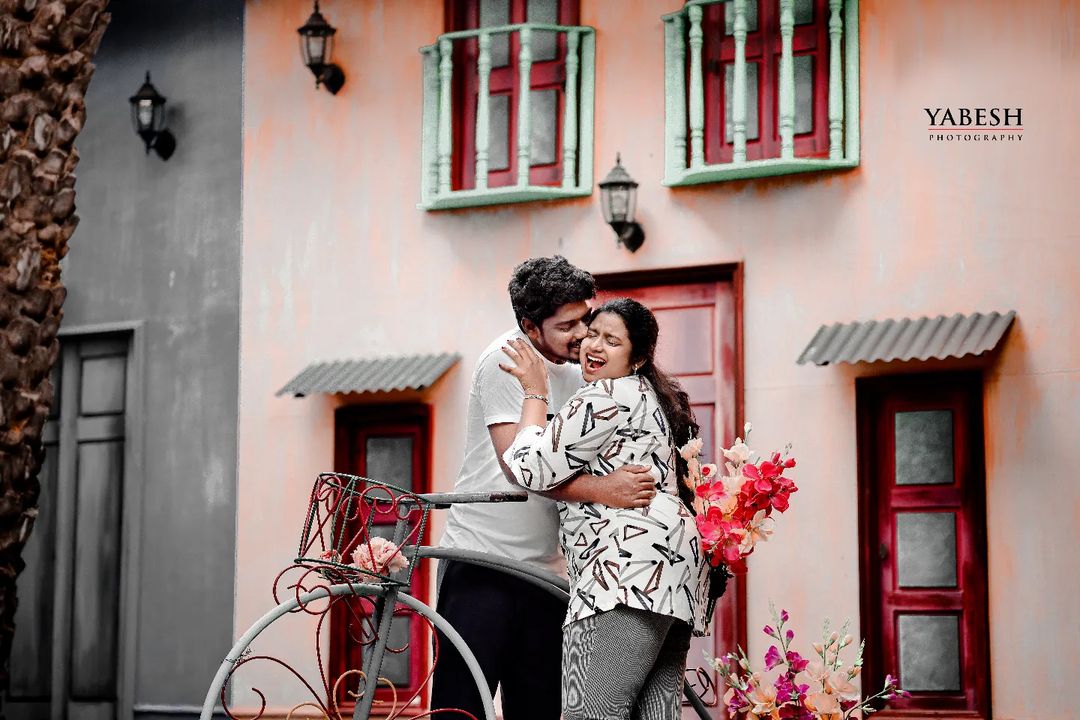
(46, 49)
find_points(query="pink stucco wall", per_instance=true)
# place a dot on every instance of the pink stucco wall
(338, 262)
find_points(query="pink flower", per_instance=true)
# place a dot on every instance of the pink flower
(735, 699)
(840, 684)
(765, 703)
(710, 528)
(826, 705)
(379, 555)
(330, 555)
(710, 491)
(795, 661)
(817, 671)
(773, 657)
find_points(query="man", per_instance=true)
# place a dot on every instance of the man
(513, 627)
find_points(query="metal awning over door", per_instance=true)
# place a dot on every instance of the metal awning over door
(906, 339)
(385, 374)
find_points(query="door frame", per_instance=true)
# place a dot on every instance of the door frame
(346, 419)
(869, 391)
(726, 272)
(130, 525)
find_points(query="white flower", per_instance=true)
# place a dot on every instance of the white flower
(692, 448)
(738, 453)
(746, 429)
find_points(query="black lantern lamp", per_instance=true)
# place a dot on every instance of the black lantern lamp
(148, 116)
(618, 199)
(316, 47)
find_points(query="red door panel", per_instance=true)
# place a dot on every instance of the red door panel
(697, 345)
(390, 444)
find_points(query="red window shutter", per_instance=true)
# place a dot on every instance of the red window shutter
(763, 50)
(923, 527)
(546, 79)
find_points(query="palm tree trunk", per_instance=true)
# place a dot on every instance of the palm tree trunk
(46, 49)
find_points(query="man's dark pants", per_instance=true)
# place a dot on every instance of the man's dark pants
(514, 629)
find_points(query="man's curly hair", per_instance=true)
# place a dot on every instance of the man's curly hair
(540, 286)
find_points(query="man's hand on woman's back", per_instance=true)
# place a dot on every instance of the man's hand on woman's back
(631, 486)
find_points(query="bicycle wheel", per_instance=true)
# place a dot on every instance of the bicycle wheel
(239, 654)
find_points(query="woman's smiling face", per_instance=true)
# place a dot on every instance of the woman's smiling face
(606, 350)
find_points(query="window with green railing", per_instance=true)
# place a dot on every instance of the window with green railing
(760, 87)
(508, 105)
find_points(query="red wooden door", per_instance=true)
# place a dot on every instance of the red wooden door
(698, 346)
(924, 565)
(390, 444)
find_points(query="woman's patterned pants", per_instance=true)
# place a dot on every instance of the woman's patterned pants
(624, 663)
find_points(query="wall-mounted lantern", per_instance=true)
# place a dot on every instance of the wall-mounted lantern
(316, 47)
(618, 199)
(148, 116)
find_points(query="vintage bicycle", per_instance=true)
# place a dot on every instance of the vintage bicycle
(345, 520)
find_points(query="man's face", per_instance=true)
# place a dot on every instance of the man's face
(559, 337)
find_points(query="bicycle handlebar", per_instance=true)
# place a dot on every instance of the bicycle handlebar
(442, 501)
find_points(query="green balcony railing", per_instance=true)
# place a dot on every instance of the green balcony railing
(685, 96)
(575, 127)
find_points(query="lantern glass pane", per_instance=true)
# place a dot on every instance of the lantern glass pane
(619, 202)
(631, 203)
(316, 50)
(304, 49)
(605, 204)
(144, 115)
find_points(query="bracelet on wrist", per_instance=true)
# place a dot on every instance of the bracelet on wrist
(537, 397)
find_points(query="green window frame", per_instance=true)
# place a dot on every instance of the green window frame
(684, 86)
(440, 142)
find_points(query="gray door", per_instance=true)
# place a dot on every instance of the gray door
(66, 656)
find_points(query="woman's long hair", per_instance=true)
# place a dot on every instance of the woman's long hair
(643, 331)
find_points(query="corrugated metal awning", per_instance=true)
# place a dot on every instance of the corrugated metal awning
(907, 339)
(386, 374)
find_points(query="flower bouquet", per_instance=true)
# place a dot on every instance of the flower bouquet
(734, 511)
(819, 689)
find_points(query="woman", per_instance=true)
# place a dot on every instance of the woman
(638, 582)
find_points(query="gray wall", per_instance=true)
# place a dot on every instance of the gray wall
(159, 242)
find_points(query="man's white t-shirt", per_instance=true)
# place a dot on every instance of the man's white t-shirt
(525, 531)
